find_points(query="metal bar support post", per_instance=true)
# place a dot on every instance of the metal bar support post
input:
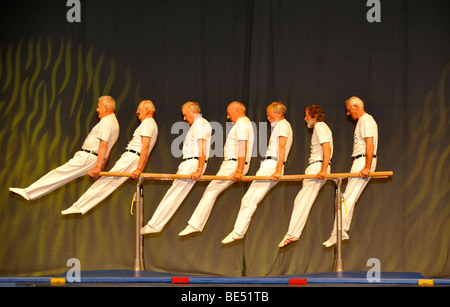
(338, 265)
(138, 222)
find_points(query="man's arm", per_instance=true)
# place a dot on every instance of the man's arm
(326, 160)
(242, 154)
(282, 140)
(143, 159)
(101, 159)
(369, 157)
(201, 159)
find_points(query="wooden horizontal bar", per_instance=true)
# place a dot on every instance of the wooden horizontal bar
(154, 176)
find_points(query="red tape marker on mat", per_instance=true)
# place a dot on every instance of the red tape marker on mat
(180, 280)
(296, 281)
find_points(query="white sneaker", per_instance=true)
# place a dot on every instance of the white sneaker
(21, 192)
(188, 230)
(286, 240)
(232, 237)
(333, 239)
(71, 210)
(147, 229)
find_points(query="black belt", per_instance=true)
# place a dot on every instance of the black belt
(360, 156)
(196, 158)
(234, 159)
(133, 151)
(273, 158)
(90, 151)
(318, 161)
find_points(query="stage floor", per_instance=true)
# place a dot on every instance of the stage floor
(126, 278)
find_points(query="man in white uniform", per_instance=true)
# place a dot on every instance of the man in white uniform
(319, 163)
(133, 160)
(237, 155)
(273, 165)
(91, 159)
(196, 149)
(364, 156)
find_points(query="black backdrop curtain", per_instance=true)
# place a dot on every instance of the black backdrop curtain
(214, 52)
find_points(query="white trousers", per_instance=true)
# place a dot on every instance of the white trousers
(355, 186)
(214, 188)
(104, 186)
(305, 200)
(175, 195)
(81, 163)
(255, 193)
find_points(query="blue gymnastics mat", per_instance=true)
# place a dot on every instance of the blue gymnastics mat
(167, 279)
